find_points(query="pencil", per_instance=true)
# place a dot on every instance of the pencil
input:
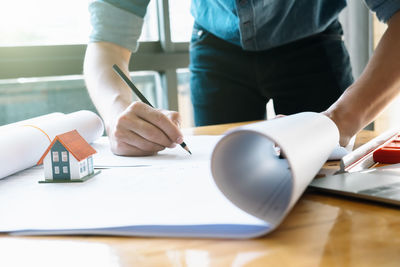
(141, 97)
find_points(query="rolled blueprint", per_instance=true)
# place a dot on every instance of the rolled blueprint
(40, 119)
(263, 168)
(23, 143)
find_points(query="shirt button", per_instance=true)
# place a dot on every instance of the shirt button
(200, 33)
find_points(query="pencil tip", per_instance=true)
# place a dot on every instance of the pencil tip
(184, 146)
(187, 149)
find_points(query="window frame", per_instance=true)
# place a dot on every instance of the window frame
(55, 156)
(65, 170)
(64, 156)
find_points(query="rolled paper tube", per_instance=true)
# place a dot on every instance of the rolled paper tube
(22, 144)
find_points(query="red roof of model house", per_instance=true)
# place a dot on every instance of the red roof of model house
(74, 143)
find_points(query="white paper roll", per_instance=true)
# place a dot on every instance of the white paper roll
(22, 144)
(247, 168)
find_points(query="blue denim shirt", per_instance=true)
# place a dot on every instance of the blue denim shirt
(251, 24)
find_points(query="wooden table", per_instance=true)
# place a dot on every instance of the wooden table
(321, 230)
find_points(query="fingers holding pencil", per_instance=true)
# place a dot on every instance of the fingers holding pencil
(143, 130)
(162, 129)
(161, 121)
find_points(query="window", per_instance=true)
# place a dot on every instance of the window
(49, 22)
(44, 22)
(181, 21)
(56, 170)
(185, 105)
(64, 156)
(55, 156)
(30, 97)
(148, 82)
(150, 25)
(65, 169)
(43, 45)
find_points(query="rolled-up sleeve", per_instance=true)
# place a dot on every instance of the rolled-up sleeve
(115, 25)
(384, 9)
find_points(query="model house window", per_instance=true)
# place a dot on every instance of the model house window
(56, 170)
(65, 169)
(55, 156)
(181, 21)
(82, 166)
(64, 156)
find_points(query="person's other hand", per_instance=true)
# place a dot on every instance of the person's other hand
(142, 130)
(345, 133)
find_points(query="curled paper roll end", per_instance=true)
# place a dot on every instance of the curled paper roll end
(252, 175)
(247, 168)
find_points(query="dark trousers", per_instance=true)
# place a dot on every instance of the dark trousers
(229, 84)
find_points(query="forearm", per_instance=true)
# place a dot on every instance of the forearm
(134, 129)
(108, 92)
(377, 86)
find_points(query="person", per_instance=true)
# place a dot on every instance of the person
(242, 54)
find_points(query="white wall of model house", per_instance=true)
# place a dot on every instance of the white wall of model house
(80, 168)
(48, 166)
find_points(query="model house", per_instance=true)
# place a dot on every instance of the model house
(68, 158)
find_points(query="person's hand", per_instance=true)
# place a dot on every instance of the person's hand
(141, 130)
(345, 136)
(345, 131)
